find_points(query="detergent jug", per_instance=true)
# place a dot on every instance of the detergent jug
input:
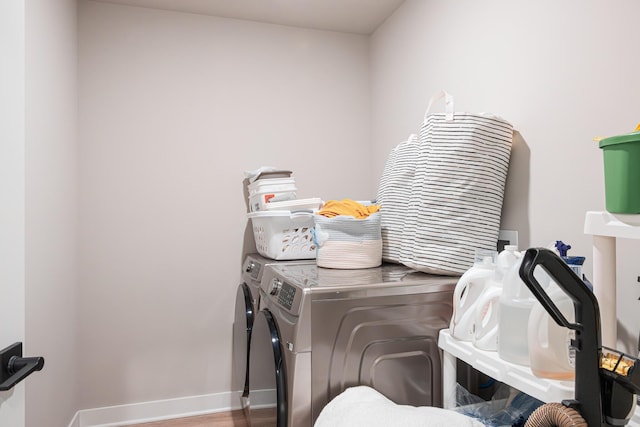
(516, 302)
(485, 323)
(487, 308)
(550, 351)
(466, 293)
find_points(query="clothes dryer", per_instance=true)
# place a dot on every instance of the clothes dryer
(246, 306)
(324, 330)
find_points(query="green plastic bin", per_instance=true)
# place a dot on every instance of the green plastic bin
(622, 173)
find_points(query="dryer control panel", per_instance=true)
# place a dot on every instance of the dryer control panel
(252, 268)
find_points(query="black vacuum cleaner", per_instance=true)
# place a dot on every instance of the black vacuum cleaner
(606, 381)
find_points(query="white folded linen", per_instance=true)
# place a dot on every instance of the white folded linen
(362, 406)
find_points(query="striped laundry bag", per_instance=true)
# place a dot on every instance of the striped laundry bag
(394, 192)
(458, 189)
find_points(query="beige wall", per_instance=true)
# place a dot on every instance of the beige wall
(560, 72)
(51, 209)
(173, 108)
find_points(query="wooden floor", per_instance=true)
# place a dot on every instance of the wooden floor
(223, 419)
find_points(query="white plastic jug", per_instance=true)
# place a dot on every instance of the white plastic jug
(550, 352)
(516, 302)
(485, 324)
(466, 293)
(487, 308)
(506, 259)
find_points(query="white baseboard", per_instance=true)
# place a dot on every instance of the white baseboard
(156, 410)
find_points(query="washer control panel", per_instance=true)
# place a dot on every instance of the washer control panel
(275, 286)
(286, 296)
(284, 291)
(280, 292)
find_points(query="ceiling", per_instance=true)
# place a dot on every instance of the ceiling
(349, 16)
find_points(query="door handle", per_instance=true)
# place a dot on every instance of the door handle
(14, 368)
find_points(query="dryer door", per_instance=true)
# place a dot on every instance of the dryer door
(242, 324)
(267, 383)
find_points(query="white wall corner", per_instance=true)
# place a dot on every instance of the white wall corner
(75, 421)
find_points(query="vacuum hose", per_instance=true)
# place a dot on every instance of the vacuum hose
(555, 415)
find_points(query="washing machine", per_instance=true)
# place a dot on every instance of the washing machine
(324, 330)
(246, 305)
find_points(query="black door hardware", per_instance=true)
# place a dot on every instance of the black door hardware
(14, 368)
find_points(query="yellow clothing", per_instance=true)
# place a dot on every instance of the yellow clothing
(347, 207)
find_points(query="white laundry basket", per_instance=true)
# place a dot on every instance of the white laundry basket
(283, 235)
(346, 242)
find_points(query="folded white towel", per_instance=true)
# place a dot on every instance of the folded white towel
(363, 406)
